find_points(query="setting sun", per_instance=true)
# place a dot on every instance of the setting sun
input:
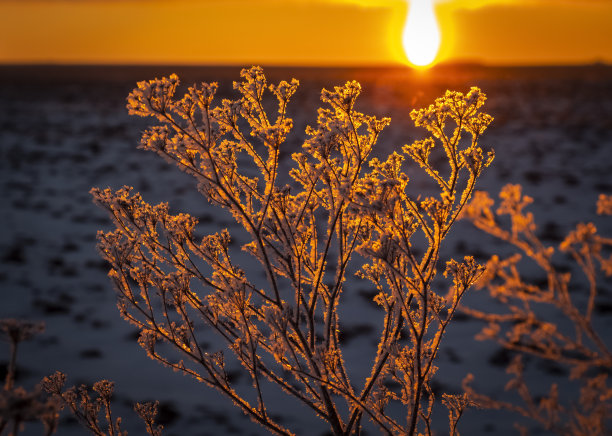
(315, 33)
(421, 35)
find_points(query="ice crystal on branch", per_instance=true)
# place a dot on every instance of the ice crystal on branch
(304, 236)
(525, 329)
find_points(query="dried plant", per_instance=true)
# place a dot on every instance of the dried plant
(17, 405)
(48, 398)
(88, 410)
(526, 329)
(340, 205)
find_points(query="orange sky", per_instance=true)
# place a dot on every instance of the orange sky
(298, 32)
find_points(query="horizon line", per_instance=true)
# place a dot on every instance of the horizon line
(369, 65)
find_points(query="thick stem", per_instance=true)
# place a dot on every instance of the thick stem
(12, 367)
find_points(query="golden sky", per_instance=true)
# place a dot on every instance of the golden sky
(298, 32)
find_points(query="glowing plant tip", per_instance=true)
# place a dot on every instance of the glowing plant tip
(421, 35)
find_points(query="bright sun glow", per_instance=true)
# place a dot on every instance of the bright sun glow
(421, 35)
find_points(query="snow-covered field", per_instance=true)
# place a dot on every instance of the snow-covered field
(65, 130)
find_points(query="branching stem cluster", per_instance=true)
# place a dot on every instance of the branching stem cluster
(340, 204)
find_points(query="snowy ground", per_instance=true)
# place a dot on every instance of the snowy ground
(63, 131)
